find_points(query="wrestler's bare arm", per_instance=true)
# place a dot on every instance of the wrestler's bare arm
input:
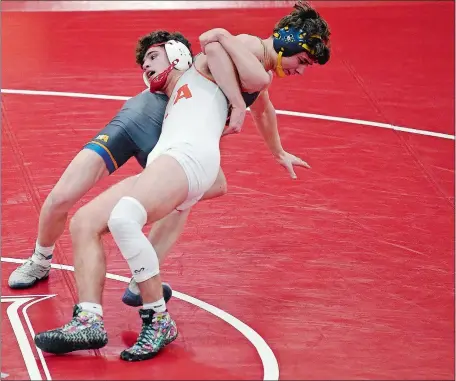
(223, 71)
(263, 112)
(217, 63)
(246, 52)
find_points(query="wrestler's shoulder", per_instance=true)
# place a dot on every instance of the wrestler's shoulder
(248, 39)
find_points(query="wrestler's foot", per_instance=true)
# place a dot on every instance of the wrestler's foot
(158, 330)
(131, 296)
(85, 331)
(27, 274)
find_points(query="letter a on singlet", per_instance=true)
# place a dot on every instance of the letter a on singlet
(182, 92)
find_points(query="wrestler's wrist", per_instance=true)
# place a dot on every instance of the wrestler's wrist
(236, 100)
(220, 35)
(276, 148)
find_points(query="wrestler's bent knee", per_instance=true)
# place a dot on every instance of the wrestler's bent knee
(125, 223)
(59, 201)
(83, 225)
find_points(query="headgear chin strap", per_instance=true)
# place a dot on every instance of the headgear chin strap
(159, 81)
(289, 41)
(179, 57)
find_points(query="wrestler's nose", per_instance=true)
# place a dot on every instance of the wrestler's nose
(145, 66)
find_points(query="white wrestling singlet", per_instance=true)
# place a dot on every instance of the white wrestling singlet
(194, 121)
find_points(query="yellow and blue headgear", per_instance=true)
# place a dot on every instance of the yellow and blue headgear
(289, 41)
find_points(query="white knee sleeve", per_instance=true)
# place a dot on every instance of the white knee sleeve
(125, 223)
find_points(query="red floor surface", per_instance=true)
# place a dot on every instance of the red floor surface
(345, 273)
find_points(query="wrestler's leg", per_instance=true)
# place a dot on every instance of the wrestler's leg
(86, 169)
(106, 152)
(165, 233)
(177, 176)
(162, 187)
(86, 329)
(87, 227)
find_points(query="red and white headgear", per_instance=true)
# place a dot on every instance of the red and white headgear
(180, 58)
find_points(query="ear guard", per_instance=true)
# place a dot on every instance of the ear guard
(289, 41)
(179, 57)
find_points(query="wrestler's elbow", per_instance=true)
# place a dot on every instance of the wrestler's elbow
(257, 82)
(213, 35)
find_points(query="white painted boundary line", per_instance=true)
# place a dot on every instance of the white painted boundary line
(280, 112)
(367, 123)
(21, 336)
(63, 94)
(32, 332)
(268, 359)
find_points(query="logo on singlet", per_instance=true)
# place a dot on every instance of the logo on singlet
(105, 138)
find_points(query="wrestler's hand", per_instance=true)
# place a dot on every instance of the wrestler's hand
(212, 35)
(288, 160)
(236, 121)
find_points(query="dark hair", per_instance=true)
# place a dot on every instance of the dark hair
(309, 20)
(157, 37)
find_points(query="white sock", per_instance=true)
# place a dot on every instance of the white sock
(42, 255)
(158, 306)
(92, 307)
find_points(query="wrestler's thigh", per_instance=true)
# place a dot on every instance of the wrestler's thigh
(84, 171)
(161, 187)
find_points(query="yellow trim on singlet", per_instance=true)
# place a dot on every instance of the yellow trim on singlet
(108, 151)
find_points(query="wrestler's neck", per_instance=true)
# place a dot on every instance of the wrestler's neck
(171, 81)
(270, 56)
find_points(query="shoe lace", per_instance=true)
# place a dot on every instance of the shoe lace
(148, 331)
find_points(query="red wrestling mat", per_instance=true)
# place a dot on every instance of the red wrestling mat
(345, 273)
